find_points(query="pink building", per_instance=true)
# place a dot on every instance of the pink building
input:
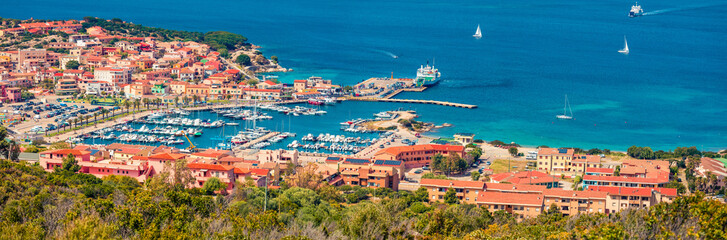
(54, 158)
(132, 168)
(202, 172)
(13, 94)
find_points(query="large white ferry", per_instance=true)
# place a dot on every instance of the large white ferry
(427, 76)
(636, 10)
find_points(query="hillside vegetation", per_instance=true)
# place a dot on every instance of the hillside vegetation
(67, 205)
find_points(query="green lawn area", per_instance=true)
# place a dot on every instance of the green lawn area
(723, 160)
(500, 166)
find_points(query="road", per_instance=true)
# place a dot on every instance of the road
(235, 66)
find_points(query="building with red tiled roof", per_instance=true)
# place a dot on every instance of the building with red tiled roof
(621, 198)
(514, 188)
(526, 177)
(621, 181)
(574, 202)
(202, 172)
(54, 158)
(369, 176)
(262, 93)
(599, 171)
(520, 205)
(466, 191)
(417, 155)
(556, 161)
(210, 156)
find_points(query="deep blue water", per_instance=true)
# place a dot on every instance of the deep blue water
(669, 91)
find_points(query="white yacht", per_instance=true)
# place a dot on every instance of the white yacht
(565, 116)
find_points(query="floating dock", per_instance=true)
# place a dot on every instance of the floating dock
(260, 139)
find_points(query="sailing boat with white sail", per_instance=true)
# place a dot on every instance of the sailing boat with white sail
(478, 33)
(566, 109)
(625, 50)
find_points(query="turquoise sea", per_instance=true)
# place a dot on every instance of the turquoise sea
(669, 91)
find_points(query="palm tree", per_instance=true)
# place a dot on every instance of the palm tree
(137, 103)
(195, 98)
(146, 103)
(176, 101)
(95, 118)
(159, 103)
(127, 104)
(185, 100)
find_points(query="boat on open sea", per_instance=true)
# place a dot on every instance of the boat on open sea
(625, 50)
(565, 116)
(636, 10)
(478, 32)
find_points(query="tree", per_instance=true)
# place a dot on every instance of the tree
(73, 64)
(450, 197)
(433, 176)
(243, 59)
(617, 171)
(512, 151)
(274, 59)
(70, 164)
(475, 175)
(306, 177)
(212, 185)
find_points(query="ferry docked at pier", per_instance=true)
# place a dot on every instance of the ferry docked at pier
(636, 10)
(427, 76)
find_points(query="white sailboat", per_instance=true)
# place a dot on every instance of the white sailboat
(625, 50)
(478, 33)
(566, 109)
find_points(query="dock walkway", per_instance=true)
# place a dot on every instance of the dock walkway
(260, 139)
(391, 95)
(443, 103)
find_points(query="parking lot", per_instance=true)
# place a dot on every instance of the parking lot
(39, 116)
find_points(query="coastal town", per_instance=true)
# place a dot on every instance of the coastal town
(122, 104)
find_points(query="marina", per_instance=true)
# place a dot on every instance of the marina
(311, 130)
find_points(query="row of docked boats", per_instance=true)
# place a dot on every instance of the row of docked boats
(334, 147)
(321, 101)
(243, 114)
(336, 139)
(295, 111)
(179, 121)
(133, 137)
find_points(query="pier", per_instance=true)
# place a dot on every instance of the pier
(391, 95)
(443, 103)
(260, 139)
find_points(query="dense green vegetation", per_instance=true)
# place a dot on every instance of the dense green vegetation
(243, 59)
(67, 205)
(73, 64)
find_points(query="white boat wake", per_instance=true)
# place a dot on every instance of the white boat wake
(390, 54)
(656, 12)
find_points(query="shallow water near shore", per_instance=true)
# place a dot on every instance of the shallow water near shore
(668, 92)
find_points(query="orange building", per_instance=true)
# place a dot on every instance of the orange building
(359, 172)
(417, 155)
(466, 191)
(573, 202)
(520, 205)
